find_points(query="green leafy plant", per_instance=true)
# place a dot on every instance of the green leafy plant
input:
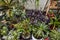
(12, 35)
(40, 31)
(54, 35)
(4, 30)
(13, 5)
(54, 22)
(25, 27)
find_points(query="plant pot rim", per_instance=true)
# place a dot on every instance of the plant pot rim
(26, 37)
(35, 38)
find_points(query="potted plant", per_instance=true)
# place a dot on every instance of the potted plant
(40, 31)
(12, 35)
(4, 31)
(51, 14)
(27, 29)
(58, 28)
(12, 7)
(15, 34)
(26, 34)
(54, 23)
(54, 35)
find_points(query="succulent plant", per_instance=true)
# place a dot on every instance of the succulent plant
(54, 22)
(40, 31)
(24, 26)
(54, 35)
(4, 30)
(12, 35)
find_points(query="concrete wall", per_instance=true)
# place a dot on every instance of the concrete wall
(31, 4)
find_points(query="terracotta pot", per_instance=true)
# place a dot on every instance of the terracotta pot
(51, 15)
(46, 38)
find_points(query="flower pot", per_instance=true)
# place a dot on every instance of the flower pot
(26, 36)
(33, 38)
(46, 38)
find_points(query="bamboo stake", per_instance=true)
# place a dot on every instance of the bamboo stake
(48, 7)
